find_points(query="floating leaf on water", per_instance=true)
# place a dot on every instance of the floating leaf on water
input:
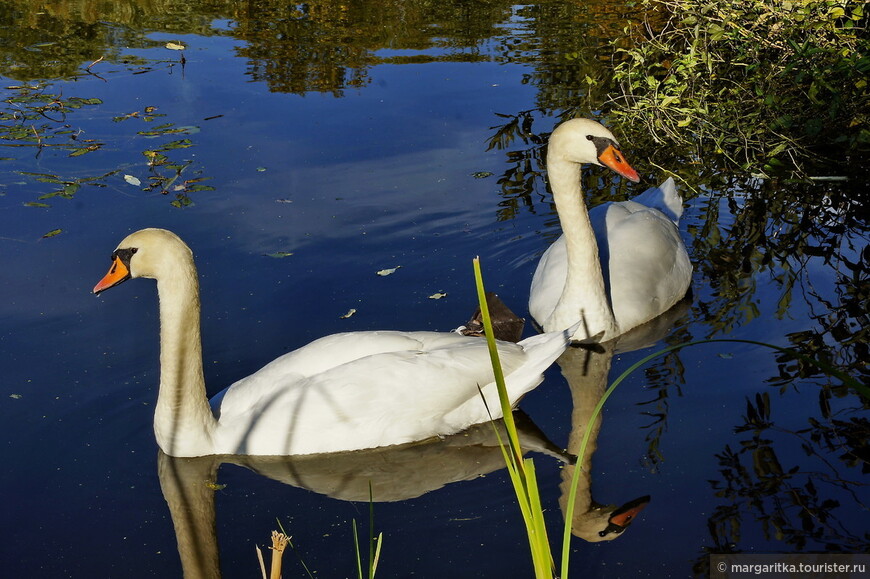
(175, 46)
(181, 200)
(132, 180)
(36, 204)
(87, 149)
(188, 129)
(194, 188)
(42, 177)
(52, 233)
(388, 271)
(726, 356)
(215, 486)
(481, 174)
(155, 158)
(349, 313)
(283, 201)
(15, 396)
(69, 190)
(438, 296)
(261, 169)
(180, 144)
(279, 254)
(73, 101)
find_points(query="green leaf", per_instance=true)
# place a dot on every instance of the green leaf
(778, 149)
(90, 101)
(81, 151)
(52, 233)
(179, 144)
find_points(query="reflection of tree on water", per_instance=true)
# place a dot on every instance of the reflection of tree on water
(324, 46)
(818, 505)
(808, 241)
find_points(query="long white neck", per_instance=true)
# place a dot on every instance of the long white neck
(584, 294)
(183, 421)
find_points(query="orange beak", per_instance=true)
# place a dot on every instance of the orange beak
(117, 273)
(627, 513)
(612, 157)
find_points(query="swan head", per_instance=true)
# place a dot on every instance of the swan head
(607, 522)
(147, 253)
(585, 141)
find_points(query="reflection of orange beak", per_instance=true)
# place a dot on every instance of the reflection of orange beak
(612, 157)
(117, 273)
(626, 515)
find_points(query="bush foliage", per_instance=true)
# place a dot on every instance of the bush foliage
(770, 85)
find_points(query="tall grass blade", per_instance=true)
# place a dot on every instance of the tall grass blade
(374, 543)
(295, 551)
(359, 572)
(521, 471)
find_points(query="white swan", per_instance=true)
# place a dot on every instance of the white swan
(342, 392)
(617, 266)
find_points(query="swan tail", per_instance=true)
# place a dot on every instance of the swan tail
(542, 350)
(665, 198)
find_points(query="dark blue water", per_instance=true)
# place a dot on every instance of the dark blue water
(353, 180)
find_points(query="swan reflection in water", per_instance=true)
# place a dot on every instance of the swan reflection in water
(395, 473)
(587, 370)
(408, 471)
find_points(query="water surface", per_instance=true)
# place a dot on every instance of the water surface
(358, 139)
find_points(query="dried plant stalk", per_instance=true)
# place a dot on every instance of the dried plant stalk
(279, 543)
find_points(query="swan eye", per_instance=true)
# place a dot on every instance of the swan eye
(124, 255)
(590, 138)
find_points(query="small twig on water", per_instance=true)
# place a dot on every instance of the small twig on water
(88, 68)
(39, 143)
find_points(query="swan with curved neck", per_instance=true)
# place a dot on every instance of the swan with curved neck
(617, 266)
(341, 392)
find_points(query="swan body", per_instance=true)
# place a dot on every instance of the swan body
(620, 264)
(342, 392)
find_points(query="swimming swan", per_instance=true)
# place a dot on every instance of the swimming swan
(341, 392)
(620, 264)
